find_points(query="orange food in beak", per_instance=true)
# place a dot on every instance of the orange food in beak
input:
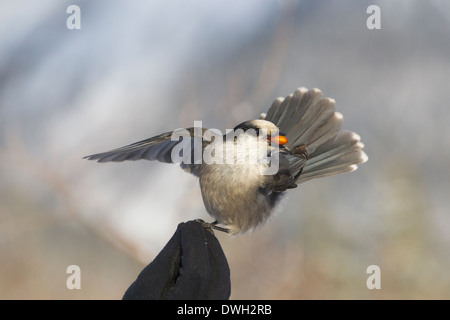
(279, 140)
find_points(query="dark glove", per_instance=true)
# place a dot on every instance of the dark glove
(191, 266)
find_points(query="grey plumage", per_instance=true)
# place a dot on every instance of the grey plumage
(149, 149)
(238, 195)
(310, 119)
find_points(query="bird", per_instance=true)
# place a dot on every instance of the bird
(299, 138)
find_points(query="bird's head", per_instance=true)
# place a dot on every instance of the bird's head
(263, 127)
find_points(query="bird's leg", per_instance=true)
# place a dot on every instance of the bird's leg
(212, 225)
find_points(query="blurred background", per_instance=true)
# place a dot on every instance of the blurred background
(139, 68)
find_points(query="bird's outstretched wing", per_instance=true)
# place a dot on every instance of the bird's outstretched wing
(313, 129)
(156, 148)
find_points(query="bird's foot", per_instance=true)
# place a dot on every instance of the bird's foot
(212, 225)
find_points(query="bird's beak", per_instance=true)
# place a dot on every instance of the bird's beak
(279, 139)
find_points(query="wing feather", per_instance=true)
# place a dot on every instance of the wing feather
(156, 148)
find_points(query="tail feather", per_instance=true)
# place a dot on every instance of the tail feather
(307, 118)
(338, 155)
(312, 120)
(323, 133)
(344, 168)
(298, 111)
(279, 108)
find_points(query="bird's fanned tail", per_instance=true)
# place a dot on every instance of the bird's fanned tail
(310, 120)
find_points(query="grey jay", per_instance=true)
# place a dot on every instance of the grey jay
(302, 137)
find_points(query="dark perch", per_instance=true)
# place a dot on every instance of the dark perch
(191, 266)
